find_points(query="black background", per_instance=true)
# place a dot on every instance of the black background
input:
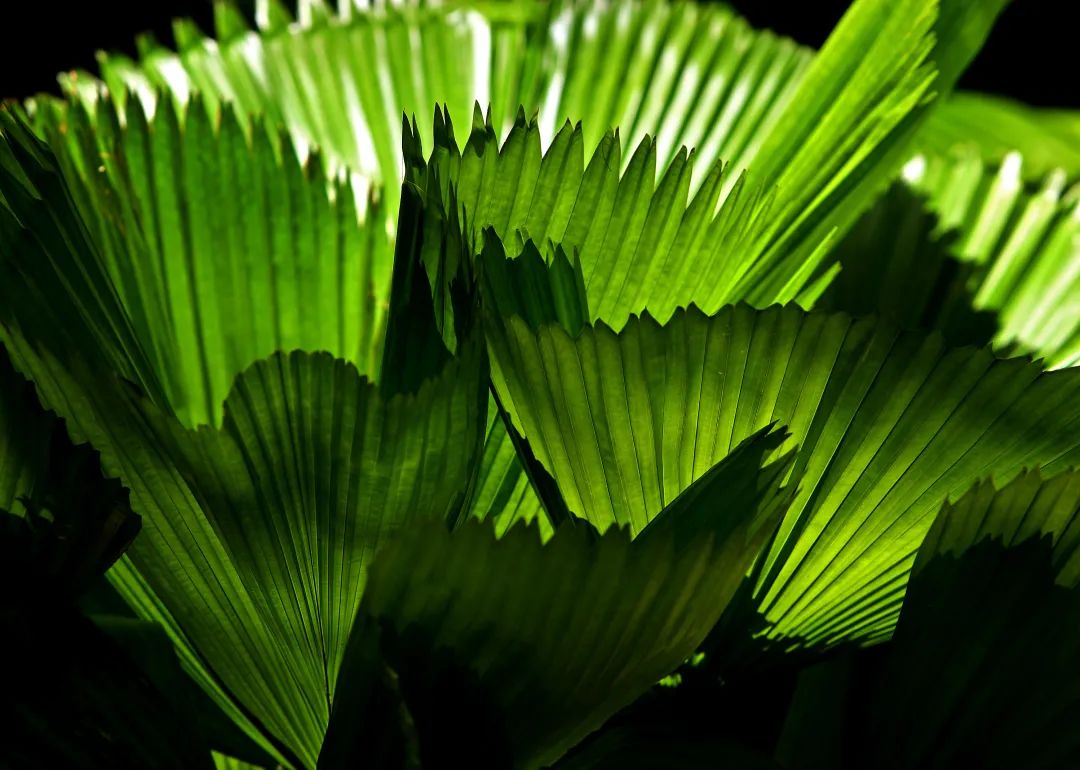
(1032, 54)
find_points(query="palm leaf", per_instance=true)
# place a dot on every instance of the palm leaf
(704, 77)
(828, 132)
(995, 126)
(896, 263)
(625, 232)
(983, 665)
(645, 243)
(1028, 507)
(225, 762)
(889, 424)
(556, 637)
(201, 225)
(236, 567)
(244, 567)
(504, 492)
(126, 257)
(72, 696)
(66, 522)
(24, 434)
(1022, 242)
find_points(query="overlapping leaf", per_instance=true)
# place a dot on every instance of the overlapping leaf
(897, 264)
(685, 73)
(995, 126)
(828, 132)
(982, 668)
(1028, 507)
(220, 245)
(555, 638)
(61, 526)
(504, 491)
(1023, 242)
(888, 423)
(179, 247)
(645, 244)
(638, 241)
(256, 534)
(24, 438)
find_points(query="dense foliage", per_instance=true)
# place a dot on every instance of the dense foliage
(522, 436)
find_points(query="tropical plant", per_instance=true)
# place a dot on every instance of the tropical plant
(524, 436)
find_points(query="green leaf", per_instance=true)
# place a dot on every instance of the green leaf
(55, 285)
(896, 263)
(158, 252)
(24, 438)
(748, 483)
(847, 128)
(221, 247)
(625, 232)
(432, 296)
(150, 648)
(239, 522)
(888, 425)
(983, 667)
(996, 126)
(72, 697)
(144, 603)
(199, 571)
(646, 244)
(1022, 242)
(1028, 507)
(538, 290)
(504, 492)
(553, 638)
(338, 86)
(685, 73)
(63, 524)
(827, 130)
(225, 762)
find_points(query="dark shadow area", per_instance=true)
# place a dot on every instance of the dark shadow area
(1029, 55)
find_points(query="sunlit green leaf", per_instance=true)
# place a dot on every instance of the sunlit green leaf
(888, 425)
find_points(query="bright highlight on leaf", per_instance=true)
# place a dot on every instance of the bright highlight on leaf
(1023, 241)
